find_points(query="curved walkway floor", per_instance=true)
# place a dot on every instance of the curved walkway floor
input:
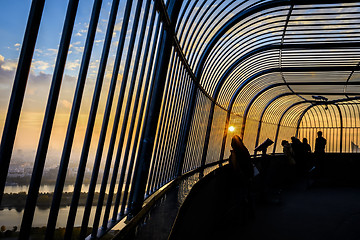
(319, 212)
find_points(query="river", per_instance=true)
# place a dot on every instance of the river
(12, 217)
(50, 188)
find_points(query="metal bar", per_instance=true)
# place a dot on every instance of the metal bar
(242, 15)
(221, 159)
(161, 141)
(185, 79)
(166, 126)
(207, 135)
(154, 170)
(278, 126)
(170, 122)
(83, 159)
(262, 114)
(127, 149)
(341, 127)
(144, 111)
(180, 140)
(18, 90)
(111, 147)
(179, 106)
(154, 109)
(126, 113)
(95, 100)
(53, 98)
(290, 69)
(40, 158)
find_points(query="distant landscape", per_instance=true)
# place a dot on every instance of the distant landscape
(17, 200)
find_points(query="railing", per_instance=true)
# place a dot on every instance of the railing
(146, 121)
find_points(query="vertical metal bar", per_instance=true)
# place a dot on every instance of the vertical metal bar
(58, 73)
(158, 160)
(178, 105)
(278, 126)
(76, 106)
(146, 100)
(165, 123)
(174, 130)
(117, 115)
(131, 128)
(221, 158)
(48, 121)
(187, 89)
(90, 125)
(159, 140)
(18, 90)
(186, 126)
(143, 116)
(300, 118)
(127, 149)
(179, 140)
(341, 127)
(94, 107)
(111, 147)
(154, 109)
(82, 164)
(207, 136)
(156, 45)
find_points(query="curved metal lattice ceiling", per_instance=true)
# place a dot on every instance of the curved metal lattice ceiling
(240, 48)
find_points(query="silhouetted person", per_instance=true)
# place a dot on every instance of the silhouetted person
(240, 160)
(319, 152)
(307, 147)
(320, 143)
(299, 155)
(243, 173)
(308, 157)
(288, 170)
(288, 152)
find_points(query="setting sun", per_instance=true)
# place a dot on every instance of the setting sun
(231, 129)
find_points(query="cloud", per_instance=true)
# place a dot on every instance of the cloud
(72, 65)
(65, 104)
(75, 47)
(7, 72)
(118, 26)
(80, 32)
(40, 65)
(53, 50)
(8, 65)
(17, 45)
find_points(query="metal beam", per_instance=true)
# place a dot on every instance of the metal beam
(293, 69)
(146, 146)
(248, 12)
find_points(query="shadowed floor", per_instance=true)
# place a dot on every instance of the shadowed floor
(300, 212)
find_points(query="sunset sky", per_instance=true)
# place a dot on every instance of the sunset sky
(13, 19)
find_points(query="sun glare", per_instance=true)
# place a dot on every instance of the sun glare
(231, 129)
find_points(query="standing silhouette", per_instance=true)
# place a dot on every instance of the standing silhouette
(320, 152)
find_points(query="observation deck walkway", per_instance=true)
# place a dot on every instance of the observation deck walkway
(310, 207)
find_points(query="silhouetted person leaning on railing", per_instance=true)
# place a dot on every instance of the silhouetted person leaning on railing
(240, 160)
(319, 152)
(242, 173)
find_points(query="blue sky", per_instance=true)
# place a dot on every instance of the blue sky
(13, 19)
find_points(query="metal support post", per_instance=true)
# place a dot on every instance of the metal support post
(18, 91)
(146, 147)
